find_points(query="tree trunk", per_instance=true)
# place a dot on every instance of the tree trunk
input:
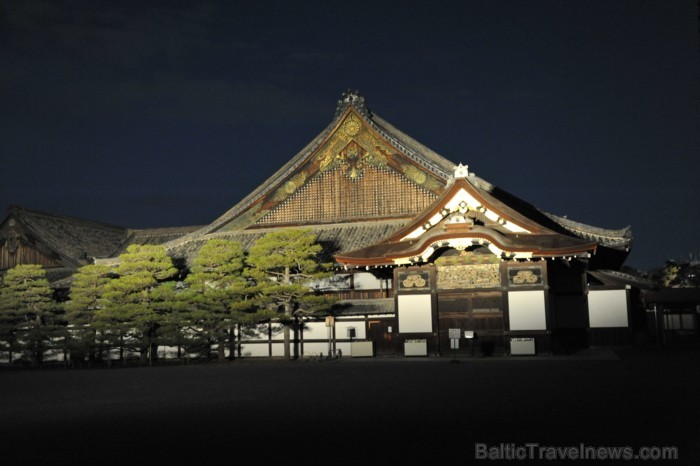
(285, 332)
(232, 342)
(296, 326)
(288, 314)
(221, 344)
(121, 350)
(38, 343)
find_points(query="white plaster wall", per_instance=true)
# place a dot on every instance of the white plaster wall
(679, 321)
(607, 308)
(367, 281)
(526, 310)
(341, 329)
(316, 348)
(315, 330)
(339, 281)
(254, 350)
(278, 349)
(415, 313)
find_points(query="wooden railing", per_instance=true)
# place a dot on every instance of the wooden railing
(361, 294)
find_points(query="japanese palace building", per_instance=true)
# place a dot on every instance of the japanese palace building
(429, 257)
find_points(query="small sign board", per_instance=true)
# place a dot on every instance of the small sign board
(455, 333)
(454, 343)
(469, 334)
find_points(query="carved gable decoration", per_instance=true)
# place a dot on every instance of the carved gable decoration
(526, 276)
(454, 277)
(352, 147)
(354, 175)
(465, 257)
(410, 280)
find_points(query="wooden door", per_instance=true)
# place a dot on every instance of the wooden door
(479, 312)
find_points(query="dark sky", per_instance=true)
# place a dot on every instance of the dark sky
(149, 114)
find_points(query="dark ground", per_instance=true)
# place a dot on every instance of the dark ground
(351, 411)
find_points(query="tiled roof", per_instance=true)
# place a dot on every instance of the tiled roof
(354, 307)
(74, 240)
(413, 149)
(407, 147)
(617, 278)
(154, 236)
(607, 237)
(335, 237)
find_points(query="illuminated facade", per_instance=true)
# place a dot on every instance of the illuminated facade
(422, 246)
(425, 251)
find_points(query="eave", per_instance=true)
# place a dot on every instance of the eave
(515, 246)
(462, 196)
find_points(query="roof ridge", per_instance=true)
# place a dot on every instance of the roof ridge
(434, 161)
(161, 230)
(620, 235)
(17, 208)
(351, 99)
(29, 218)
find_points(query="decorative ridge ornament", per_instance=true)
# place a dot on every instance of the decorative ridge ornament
(352, 97)
(462, 171)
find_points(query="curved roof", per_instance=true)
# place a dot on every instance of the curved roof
(72, 241)
(463, 216)
(302, 167)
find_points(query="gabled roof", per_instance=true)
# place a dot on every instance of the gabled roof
(67, 243)
(70, 241)
(463, 216)
(382, 151)
(356, 142)
(617, 278)
(353, 122)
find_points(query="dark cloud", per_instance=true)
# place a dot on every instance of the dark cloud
(168, 113)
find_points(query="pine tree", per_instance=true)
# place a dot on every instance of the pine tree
(216, 291)
(284, 264)
(166, 303)
(9, 322)
(28, 304)
(131, 313)
(85, 299)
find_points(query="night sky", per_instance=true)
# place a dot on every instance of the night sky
(154, 114)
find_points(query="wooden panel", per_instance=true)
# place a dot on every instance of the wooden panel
(332, 196)
(22, 254)
(480, 312)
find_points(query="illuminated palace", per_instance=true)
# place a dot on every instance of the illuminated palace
(430, 259)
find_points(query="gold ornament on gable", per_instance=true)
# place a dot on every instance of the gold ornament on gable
(351, 148)
(525, 277)
(420, 177)
(291, 186)
(352, 125)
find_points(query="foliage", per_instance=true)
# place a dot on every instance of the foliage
(9, 321)
(31, 320)
(284, 264)
(678, 275)
(85, 299)
(132, 311)
(215, 285)
(139, 305)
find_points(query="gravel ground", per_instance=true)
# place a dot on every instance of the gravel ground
(351, 411)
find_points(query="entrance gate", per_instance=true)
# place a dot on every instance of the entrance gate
(480, 312)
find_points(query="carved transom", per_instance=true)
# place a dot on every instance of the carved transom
(352, 160)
